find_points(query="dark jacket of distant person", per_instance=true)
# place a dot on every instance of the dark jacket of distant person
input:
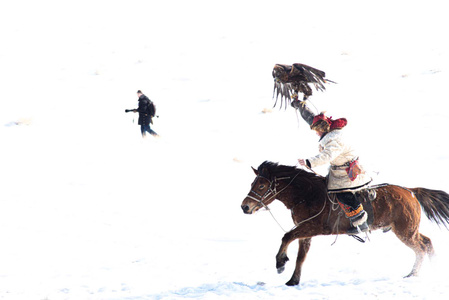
(145, 109)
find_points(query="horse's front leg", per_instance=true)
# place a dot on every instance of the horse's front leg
(304, 246)
(281, 257)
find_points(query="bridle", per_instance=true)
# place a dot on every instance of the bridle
(261, 198)
(271, 191)
(269, 194)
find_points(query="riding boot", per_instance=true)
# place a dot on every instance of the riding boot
(354, 211)
(359, 223)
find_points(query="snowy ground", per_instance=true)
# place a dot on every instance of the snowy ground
(89, 210)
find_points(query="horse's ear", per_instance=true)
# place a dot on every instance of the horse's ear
(255, 171)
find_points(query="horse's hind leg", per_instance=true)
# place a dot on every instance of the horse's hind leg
(421, 245)
(304, 246)
(424, 247)
(428, 245)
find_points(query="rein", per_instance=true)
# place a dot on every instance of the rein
(272, 193)
(313, 217)
(269, 192)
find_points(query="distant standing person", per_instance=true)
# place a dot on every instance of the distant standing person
(146, 111)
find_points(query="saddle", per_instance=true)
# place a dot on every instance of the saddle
(365, 197)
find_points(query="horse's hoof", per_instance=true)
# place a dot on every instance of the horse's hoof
(292, 282)
(412, 274)
(280, 263)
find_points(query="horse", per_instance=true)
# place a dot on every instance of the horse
(315, 212)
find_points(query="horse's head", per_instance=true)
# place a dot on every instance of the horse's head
(262, 193)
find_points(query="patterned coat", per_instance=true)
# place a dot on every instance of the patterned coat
(335, 150)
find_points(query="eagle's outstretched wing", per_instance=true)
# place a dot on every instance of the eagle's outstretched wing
(290, 79)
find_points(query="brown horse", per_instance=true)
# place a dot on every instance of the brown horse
(315, 213)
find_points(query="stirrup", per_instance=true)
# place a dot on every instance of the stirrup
(386, 229)
(358, 229)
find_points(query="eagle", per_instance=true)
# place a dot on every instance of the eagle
(290, 80)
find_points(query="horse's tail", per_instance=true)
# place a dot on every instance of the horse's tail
(435, 204)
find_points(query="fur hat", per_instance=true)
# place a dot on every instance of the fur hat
(327, 123)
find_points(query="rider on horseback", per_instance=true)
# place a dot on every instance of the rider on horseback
(345, 173)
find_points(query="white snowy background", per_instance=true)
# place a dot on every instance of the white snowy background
(90, 210)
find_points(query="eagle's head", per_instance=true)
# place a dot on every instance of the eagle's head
(280, 73)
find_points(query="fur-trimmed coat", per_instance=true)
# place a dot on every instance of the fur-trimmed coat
(335, 151)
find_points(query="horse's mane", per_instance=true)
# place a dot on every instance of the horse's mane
(309, 186)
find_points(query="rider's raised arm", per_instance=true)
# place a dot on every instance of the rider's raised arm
(305, 111)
